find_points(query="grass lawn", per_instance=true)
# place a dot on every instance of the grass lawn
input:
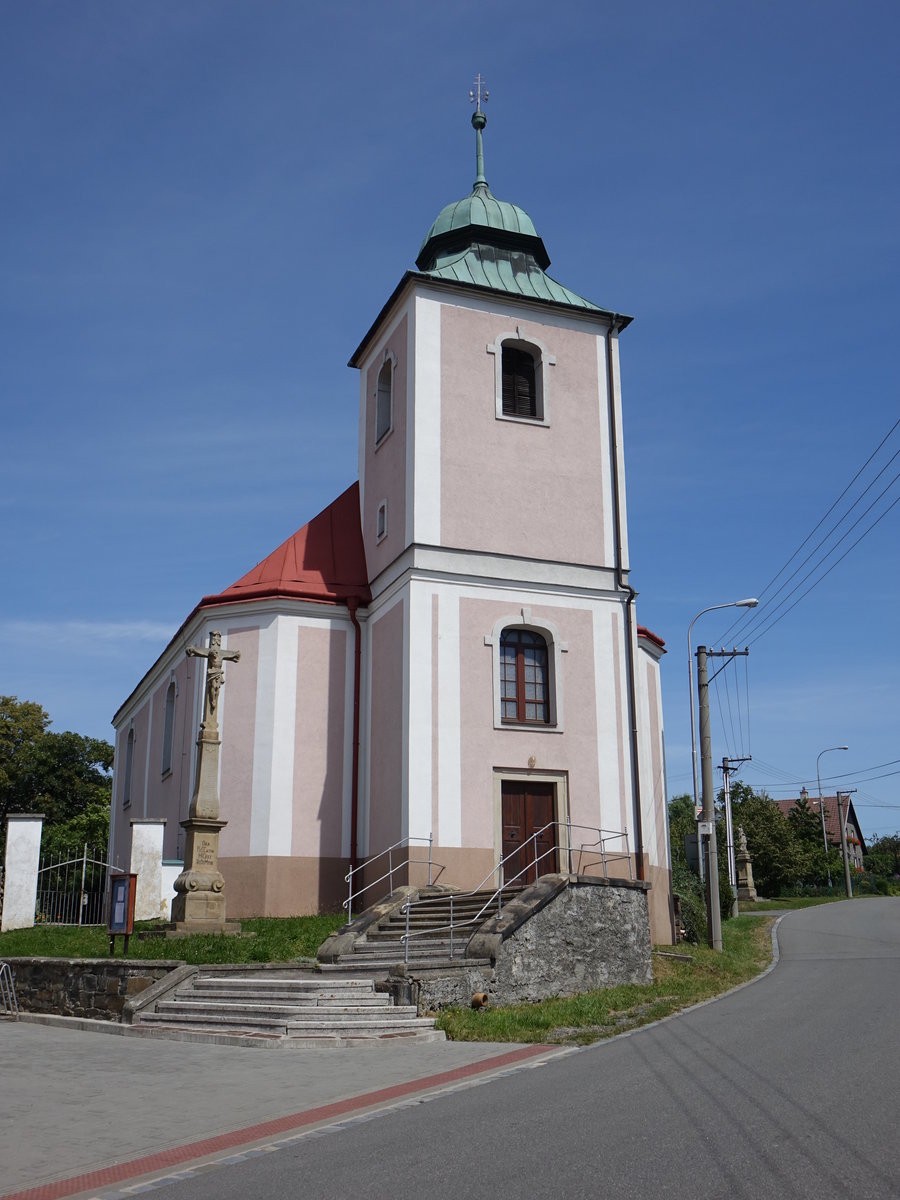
(578, 1020)
(262, 939)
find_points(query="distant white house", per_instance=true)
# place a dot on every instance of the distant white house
(451, 648)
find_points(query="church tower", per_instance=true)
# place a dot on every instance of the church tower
(508, 685)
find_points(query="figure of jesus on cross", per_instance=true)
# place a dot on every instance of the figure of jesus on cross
(215, 675)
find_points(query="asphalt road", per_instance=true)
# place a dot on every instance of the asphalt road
(788, 1087)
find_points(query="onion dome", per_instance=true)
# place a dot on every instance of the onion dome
(491, 243)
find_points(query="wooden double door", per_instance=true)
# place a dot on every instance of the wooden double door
(527, 809)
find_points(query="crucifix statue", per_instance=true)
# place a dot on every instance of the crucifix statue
(216, 658)
(199, 903)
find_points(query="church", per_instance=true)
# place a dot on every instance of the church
(448, 656)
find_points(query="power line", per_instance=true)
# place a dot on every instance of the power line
(836, 563)
(748, 619)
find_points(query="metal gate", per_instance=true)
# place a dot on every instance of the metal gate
(72, 888)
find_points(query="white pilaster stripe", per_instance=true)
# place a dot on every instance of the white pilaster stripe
(268, 681)
(420, 639)
(605, 452)
(607, 726)
(449, 719)
(347, 793)
(423, 498)
(150, 700)
(284, 723)
(620, 449)
(404, 735)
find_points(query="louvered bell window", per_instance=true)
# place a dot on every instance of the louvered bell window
(519, 390)
(524, 693)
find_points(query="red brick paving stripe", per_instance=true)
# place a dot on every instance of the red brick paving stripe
(178, 1155)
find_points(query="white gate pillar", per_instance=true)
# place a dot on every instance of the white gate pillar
(146, 863)
(20, 879)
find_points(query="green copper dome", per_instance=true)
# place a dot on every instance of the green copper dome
(491, 243)
(480, 217)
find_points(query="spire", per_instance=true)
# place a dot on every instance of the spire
(476, 95)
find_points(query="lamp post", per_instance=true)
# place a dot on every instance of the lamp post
(827, 750)
(750, 603)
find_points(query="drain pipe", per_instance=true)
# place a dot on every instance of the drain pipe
(352, 606)
(623, 585)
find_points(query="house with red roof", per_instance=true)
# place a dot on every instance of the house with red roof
(856, 847)
(448, 654)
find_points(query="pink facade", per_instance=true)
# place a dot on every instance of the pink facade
(494, 465)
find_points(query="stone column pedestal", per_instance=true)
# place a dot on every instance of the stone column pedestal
(199, 904)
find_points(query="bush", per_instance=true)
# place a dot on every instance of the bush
(691, 902)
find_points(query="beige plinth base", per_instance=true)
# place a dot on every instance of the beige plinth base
(182, 929)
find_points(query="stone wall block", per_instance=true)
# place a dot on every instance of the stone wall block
(93, 988)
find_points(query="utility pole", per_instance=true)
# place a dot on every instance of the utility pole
(708, 820)
(727, 764)
(708, 834)
(843, 824)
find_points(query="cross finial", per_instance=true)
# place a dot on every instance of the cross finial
(478, 93)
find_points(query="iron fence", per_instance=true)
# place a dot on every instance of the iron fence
(72, 888)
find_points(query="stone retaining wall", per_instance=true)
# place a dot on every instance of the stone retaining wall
(84, 987)
(562, 936)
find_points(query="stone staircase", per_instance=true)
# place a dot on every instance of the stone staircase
(222, 1004)
(381, 946)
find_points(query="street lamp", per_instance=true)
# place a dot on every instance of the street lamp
(750, 603)
(827, 750)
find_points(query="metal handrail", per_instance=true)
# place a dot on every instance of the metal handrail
(9, 1005)
(603, 836)
(389, 873)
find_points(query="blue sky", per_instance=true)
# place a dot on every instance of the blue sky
(204, 205)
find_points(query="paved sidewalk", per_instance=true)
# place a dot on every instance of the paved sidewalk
(74, 1102)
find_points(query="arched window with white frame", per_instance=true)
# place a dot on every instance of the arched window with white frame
(527, 673)
(129, 769)
(168, 729)
(521, 379)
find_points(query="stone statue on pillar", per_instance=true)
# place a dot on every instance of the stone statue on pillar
(199, 904)
(745, 889)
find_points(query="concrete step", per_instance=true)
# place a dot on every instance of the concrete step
(208, 983)
(367, 1028)
(244, 1010)
(192, 1008)
(341, 995)
(419, 937)
(352, 1026)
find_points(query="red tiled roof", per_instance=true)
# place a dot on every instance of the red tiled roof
(832, 828)
(644, 632)
(324, 561)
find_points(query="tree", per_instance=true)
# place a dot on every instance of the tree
(682, 823)
(883, 856)
(65, 776)
(21, 724)
(806, 826)
(778, 862)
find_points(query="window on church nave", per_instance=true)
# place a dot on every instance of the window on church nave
(168, 729)
(129, 769)
(384, 400)
(519, 383)
(524, 677)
